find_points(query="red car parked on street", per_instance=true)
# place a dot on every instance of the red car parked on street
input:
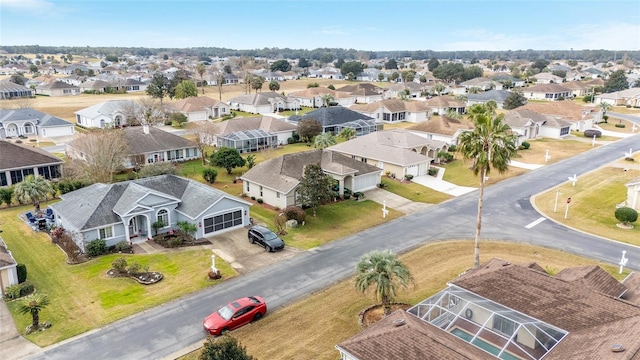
(235, 314)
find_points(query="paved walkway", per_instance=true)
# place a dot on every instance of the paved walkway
(14, 345)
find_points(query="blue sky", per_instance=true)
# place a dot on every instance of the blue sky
(359, 24)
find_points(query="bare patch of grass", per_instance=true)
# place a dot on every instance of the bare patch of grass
(559, 149)
(415, 192)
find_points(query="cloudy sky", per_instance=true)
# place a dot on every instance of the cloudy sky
(301, 24)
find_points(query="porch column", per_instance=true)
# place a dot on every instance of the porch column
(127, 236)
(341, 185)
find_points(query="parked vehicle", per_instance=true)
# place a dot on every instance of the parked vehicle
(266, 238)
(234, 315)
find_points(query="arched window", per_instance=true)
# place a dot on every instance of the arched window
(163, 215)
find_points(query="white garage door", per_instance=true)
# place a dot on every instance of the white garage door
(222, 221)
(412, 170)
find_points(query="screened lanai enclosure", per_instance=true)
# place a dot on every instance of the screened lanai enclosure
(492, 327)
(248, 140)
(362, 127)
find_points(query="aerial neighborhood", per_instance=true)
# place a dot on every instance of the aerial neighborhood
(405, 206)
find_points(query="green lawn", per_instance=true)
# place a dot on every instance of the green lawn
(459, 172)
(300, 112)
(415, 192)
(82, 297)
(593, 203)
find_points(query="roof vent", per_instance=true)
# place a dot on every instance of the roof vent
(398, 322)
(617, 348)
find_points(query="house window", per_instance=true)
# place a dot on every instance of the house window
(163, 216)
(278, 195)
(16, 176)
(106, 233)
(503, 325)
(3, 179)
(564, 131)
(247, 186)
(260, 190)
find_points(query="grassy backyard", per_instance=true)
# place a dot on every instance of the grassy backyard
(311, 327)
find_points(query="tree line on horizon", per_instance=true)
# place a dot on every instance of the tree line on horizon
(330, 54)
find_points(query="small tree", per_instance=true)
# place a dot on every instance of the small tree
(308, 129)
(324, 140)
(385, 272)
(514, 100)
(626, 215)
(228, 158)
(156, 169)
(347, 133)
(209, 174)
(187, 227)
(34, 189)
(274, 85)
(225, 348)
(315, 187)
(157, 226)
(251, 161)
(6, 195)
(33, 305)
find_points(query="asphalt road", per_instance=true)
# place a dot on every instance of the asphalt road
(163, 330)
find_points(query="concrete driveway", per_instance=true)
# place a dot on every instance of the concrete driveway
(234, 248)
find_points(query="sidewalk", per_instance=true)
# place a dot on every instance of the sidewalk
(14, 346)
(436, 183)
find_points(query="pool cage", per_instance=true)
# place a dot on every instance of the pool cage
(248, 140)
(494, 328)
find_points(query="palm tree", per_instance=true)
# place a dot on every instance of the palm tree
(439, 88)
(326, 99)
(34, 189)
(491, 144)
(383, 270)
(33, 304)
(324, 140)
(605, 107)
(347, 133)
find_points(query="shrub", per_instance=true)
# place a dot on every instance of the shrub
(445, 156)
(408, 177)
(123, 246)
(620, 125)
(605, 118)
(119, 264)
(134, 268)
(12, 292)
(209, 174)
(21, 269)
(177, 119)
(155, 169)
(291, 140)
(346, 196)
(432, 171)
(626, 215)
(358, 195)
(26, 288)
(452, 148)
(260, 201)
(187, 227)
(592, 132)
(295, 213)
(253, 198)
(96, 247)
(175, 242)
(526, 145)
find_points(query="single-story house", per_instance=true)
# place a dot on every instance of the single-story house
(504, 78)
(108, 113)
(263, 103)
(395, 110)
(18, 161)
(547, 78)
(549, 92)
(481, 83)
(201, 108)
(400, 90)
(148, 145)
(578, 88)
(364, 92)
(499, 96)
(29, 122)
(336, 118)
(57, 88)
(580, 117)
(312, 97)
(633, 194)
(126, 211)
(502, 310)
(135, 85)
(249, 134)
(442, 104)
(625, 97)
(529, 124)
(8, 268)
(275, 181)
(443, 128)
(9, 90)
(398, 151)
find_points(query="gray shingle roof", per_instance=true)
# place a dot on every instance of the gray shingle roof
(283, 173)
(99, 204)
(18, 156)
(108, 108)
(44, 120)
(495, 95)
(334, 115)
(155, 140)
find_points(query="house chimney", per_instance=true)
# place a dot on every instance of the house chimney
(145, 129)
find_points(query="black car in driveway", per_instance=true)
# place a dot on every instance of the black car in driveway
(266, 238)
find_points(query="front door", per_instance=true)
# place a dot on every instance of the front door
(133, 227)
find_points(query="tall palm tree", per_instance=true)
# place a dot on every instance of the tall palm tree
(326, 99)
(33, 304)
(491, 144)
(439, 88)
(324, 140)
(386, 272)
(34, 189)
(605, 107)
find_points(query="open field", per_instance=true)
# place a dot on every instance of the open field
(311, 327)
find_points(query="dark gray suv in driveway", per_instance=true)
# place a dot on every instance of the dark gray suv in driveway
(266, 238)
